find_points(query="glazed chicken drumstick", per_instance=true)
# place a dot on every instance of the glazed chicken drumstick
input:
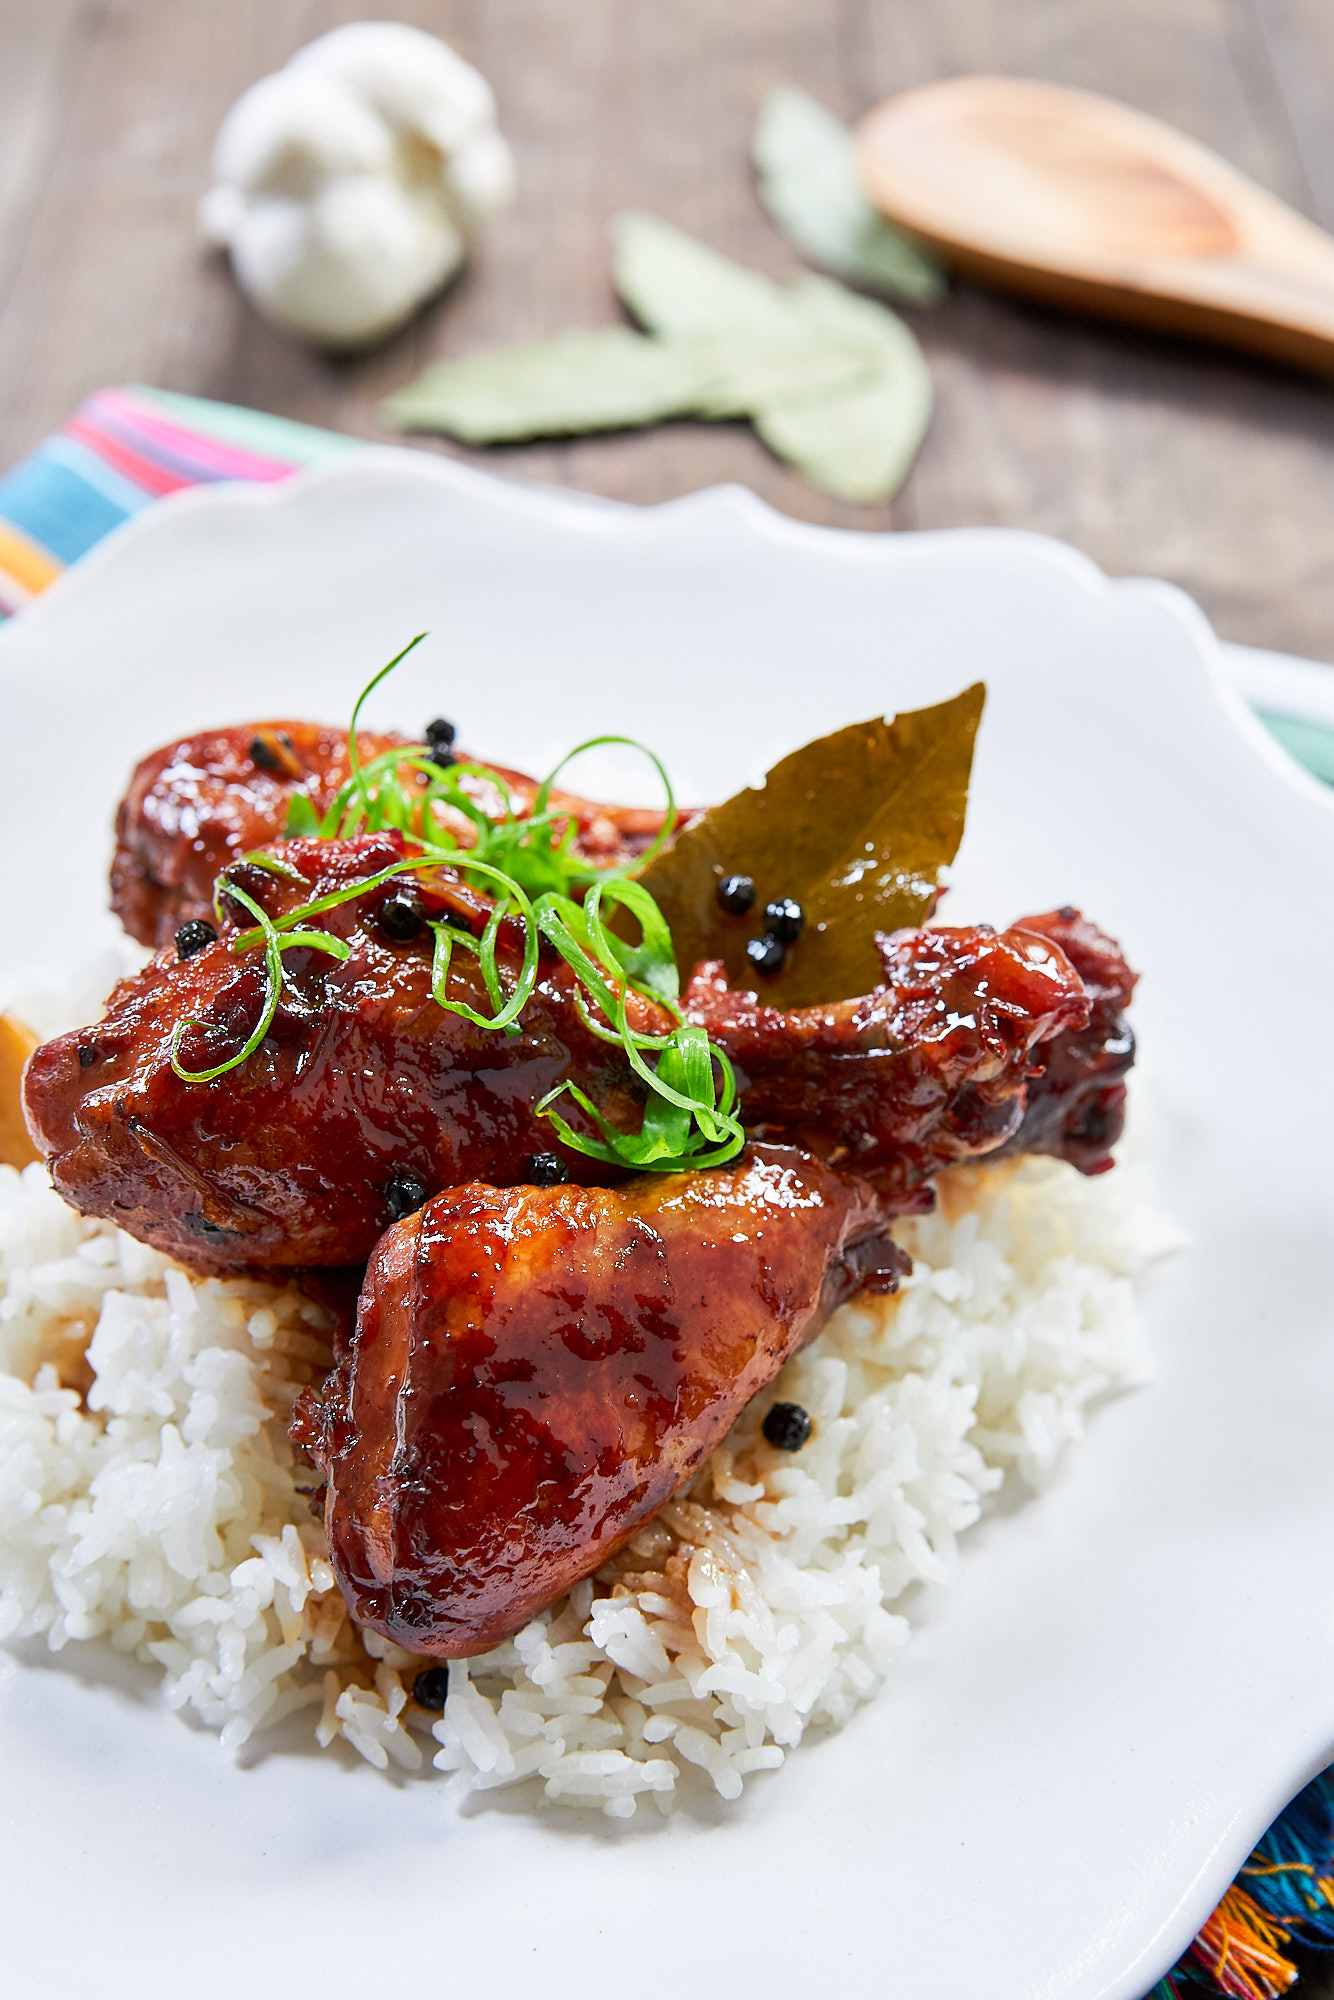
(363, 1080)
(204, 800)
(536, 1370)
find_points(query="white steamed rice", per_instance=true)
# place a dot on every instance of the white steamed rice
(149, 1497)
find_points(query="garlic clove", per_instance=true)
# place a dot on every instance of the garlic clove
(411, 78)
(348, 267)
(220, 214)
(348, 182)
(482, 177)
(291, 134)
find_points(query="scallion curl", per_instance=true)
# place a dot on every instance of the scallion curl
(689, 1116)
(370, 687)
(665, 831)
(274, 947)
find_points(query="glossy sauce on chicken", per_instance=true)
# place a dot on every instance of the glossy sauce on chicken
(533, 1370)
(201, 802)
(1075, 1100)
(536, 1370)
(287, 1160)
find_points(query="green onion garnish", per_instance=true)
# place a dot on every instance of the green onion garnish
(528, 866)
(274, 947)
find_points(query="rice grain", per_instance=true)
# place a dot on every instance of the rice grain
(149, 1498)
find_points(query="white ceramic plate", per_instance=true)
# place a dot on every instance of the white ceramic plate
(1137, 1669)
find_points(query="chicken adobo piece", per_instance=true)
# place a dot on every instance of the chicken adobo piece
(370, 1042)
(203, 801)
(362, 1080)
(1075, 1099)
(536, 1370)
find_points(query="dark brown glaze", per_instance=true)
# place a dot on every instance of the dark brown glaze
(536, 1370)
(198, 803)
(1075, 1103)
(286, 1160)
(928, 1069)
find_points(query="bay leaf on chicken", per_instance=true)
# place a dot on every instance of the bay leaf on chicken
(857, 827)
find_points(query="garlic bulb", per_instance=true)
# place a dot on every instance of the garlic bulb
(348, 183)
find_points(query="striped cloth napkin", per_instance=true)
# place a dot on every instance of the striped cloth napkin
(122, 450)
(125, 448)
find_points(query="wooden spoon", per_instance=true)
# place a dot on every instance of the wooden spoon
(1073, 198)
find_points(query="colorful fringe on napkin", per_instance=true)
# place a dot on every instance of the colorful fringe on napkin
(125, 448)
(1282, 1899)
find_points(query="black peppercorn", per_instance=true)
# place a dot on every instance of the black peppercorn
(404, 1194)
(192, 937)
(264, 755)
(784, 919)
(786, 1426)
(736, 895)
(401, 916)
(440, 742)
(547, 1170)
(766, 954)
(431, 1687)
(1067, 913)
(87, 1055)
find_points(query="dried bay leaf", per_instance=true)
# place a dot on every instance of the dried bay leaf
(613, 379)
(605, 379)
(857, 444)
(833, 382)
(749, 375)
(806, 162)
(858, 827)
(834, 313)
(674, 284)
(681, 289)
(855, 439)
(850, 415)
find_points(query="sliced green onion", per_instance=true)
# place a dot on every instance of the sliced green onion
(562, 923)
(369, 689)
(667, 828)
(689, 1117)
(651, 964)
(302, 819)
(271, 864)
(507, 1011)
(274, 947)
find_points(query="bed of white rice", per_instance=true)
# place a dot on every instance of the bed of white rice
(149, 1498)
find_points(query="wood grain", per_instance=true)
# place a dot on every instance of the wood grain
(1215, 471)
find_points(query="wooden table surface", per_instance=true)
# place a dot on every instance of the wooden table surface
(1213, 470)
